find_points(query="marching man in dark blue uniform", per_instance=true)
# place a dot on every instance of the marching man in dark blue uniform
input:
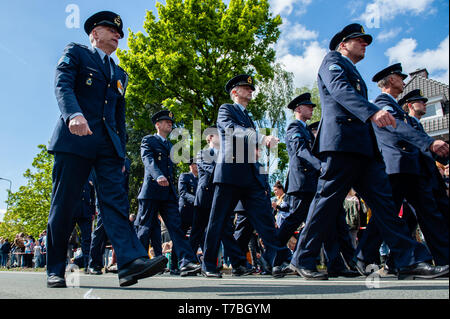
(404, 152)
(301, 185)
(187, 187)
(90, 133)
(416, 105)
(347, 148)
(158, 194)
(84, 220)
(236, 175)
(206, 162)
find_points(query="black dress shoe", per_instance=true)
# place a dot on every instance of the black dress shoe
(94, 271)
(190, 269)
(423, 271)
(141, 268)
(241, 271)
(211, 274)
(175, 272)
(344, 273)
(310, 274)
(361, 267)
(56, 282)
(282, 270)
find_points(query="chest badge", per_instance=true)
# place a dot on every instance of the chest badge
(89, 81)
(120, 86)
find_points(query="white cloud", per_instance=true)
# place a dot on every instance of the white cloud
(435, 61)
(293, 36)
(2, 213)
(388, 9)
(285, 7)
(387, 35)
(305, 67)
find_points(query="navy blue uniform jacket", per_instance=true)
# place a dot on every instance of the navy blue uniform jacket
(236, 160)
(345, 124)
(81, 86)
(402, 148)
(156, 158)
(187, 187)
(206, 162)
(304, 167)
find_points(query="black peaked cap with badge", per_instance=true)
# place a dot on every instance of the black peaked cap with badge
(106, 18)
(354, 30)
(414, 95)
(162, 115)
(303, 99)
(239, 80)
(392, 69)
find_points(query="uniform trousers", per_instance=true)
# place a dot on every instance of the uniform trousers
(70, 173)
(230, 246)
(258, 210)
(340, 172)
(168, 209)
(417, 191)
(98, 244)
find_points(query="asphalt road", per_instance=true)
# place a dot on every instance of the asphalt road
(32, 285)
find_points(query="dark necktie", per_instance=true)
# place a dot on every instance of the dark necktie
(107, 67)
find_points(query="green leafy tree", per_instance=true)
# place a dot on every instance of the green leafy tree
(184, 60)
(29, 206)
(315, 98)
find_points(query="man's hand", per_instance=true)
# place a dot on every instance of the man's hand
(439, 147)
(383, 118)
(274, 205)
(271, 141)
(162, 181)
(79, 126)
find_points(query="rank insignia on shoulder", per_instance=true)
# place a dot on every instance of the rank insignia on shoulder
(334, 67)
(64, 59)
(120, 86)
(89, 81)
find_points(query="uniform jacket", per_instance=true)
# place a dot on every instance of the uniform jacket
(345, 124)
(235, 165)
(304, 167)
(206, 162)
(81, 85)
(187, 188)
(155, 155)
(263, 179)
(401, 147)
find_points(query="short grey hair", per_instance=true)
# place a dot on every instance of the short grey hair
(384, 81)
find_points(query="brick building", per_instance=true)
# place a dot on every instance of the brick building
(435, 121)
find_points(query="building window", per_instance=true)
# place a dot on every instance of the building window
(433, 109)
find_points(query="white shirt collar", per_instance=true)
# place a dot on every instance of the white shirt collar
(303, 123)
(162, 138)
(102, 54)
(349, 60)
(241, 107)
(389, 95)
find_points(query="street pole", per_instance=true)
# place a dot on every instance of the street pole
(10, 186)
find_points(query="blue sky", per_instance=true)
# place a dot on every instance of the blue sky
(413, 32)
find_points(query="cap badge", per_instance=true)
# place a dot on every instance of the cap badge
(117, 21)
(170, 114)
(362, 30)
(249, 80)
